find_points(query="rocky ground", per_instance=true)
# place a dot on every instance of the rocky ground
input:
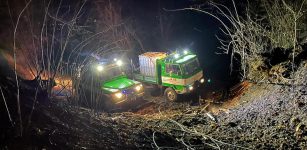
(251, 116)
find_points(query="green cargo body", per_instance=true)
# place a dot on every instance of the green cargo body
(180, 73)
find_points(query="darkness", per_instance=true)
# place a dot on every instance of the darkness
(181, 30)
(71, 110)
(188, 29)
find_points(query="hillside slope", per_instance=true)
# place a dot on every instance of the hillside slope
(264, 116)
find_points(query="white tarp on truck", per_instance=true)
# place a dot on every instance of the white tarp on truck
(148, 62)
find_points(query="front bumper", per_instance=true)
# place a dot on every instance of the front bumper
(195, 86)
(128, 97)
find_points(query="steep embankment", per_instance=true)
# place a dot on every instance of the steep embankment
(264, 116)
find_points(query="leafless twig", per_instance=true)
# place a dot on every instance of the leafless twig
(7, 109)
(15, 68)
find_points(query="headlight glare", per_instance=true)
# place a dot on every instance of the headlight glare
(99, 68)
(119, 63)
(191, 88)
(118, 95)
(202, 80)
(138, 88)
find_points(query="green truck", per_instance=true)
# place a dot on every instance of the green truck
(177, 73)
(116, 86)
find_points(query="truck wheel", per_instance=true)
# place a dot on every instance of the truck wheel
(170, 94)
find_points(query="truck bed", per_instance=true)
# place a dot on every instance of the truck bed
(148, 62)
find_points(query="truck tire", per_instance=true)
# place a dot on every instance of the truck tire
(170, 94)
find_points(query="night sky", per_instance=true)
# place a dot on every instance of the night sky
(189, 29)
(182, 29)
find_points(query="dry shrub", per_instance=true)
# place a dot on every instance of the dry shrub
(258, 70)
(252, 34)
(276, 74)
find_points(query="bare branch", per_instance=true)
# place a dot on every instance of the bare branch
(15, 67)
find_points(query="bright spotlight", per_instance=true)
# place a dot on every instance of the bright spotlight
(138, 88)
(191, 88)
(118, 95)
(119, 63)
(176, 56)
(99, 68)
(185, 52)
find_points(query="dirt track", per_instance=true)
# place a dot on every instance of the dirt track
(257, 116)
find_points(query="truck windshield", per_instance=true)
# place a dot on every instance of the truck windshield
(191, 67)
(172, 69)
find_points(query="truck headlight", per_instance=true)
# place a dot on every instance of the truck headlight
(118, 95)
(138, 87)
(202, 80)
(191, 88)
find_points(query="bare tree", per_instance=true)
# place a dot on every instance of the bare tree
(56, 45)
(15, 68)
(250, 36)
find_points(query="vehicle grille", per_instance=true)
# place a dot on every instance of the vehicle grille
(128, 91)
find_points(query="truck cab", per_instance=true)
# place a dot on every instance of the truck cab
(181, 73)
(177, 73)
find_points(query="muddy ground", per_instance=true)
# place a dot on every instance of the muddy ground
(259, 117)
(250, 116)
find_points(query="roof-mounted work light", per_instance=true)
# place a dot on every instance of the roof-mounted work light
(176, 55)
(99, 68)
(185, 51)
(119, 63)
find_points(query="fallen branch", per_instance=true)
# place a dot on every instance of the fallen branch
(153, 139)
(194, 132)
